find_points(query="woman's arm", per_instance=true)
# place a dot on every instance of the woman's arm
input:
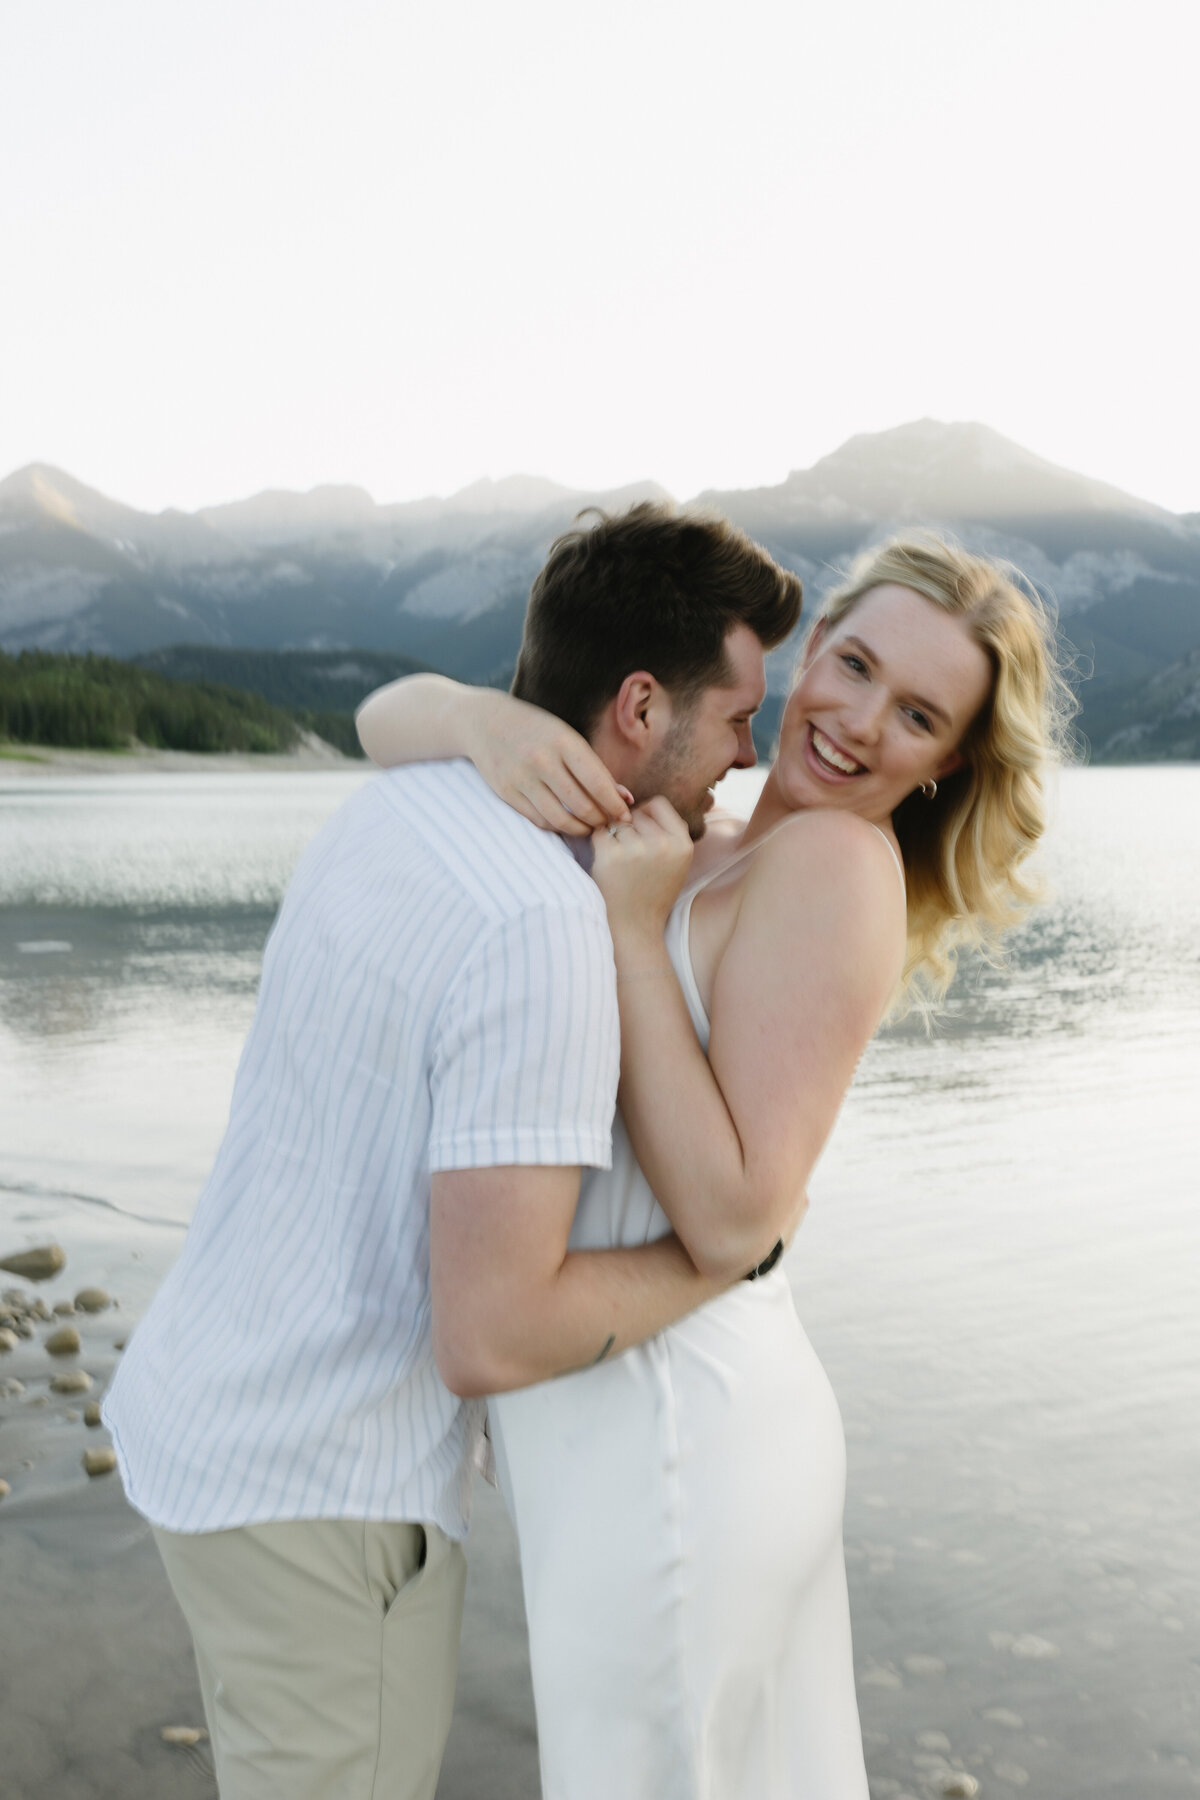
(535, 762)
(728, 1142)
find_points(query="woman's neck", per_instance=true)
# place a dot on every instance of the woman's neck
(771, 810)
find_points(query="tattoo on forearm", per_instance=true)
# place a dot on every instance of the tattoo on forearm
(580, 1367)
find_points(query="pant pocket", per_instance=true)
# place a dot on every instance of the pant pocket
(394, 1557)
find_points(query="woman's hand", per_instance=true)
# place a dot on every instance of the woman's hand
(543, 768)
(537, 764)
(641, 868)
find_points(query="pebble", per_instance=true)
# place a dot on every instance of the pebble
(183, 1734)
(1013, 1773)
(93, 1300)
(62, 1309)
(5, 1490)
(933, 1740)
(71, 1381)
(119, 1343)
(1002, 1715)
(880, 1678)
(959, 1786)
(35, 1265)
(1034, 1649)
(920, 1664)
(101, 1461)
(91, 1413)
(10, 1388)
(72, 1415)
(63, 1342)
(8, 1339)
(38, 1400)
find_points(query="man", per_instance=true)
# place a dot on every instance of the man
(432, 1061)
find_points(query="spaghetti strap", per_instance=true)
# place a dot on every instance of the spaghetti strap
(731, 862)
(679, 924)
(892, 853)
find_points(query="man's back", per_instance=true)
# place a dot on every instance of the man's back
(437, 993)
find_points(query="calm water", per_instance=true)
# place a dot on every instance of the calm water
(999, 1268)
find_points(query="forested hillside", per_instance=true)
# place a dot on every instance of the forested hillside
(321, 687)
(96, 703)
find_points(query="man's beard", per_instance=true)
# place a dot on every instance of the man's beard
(669, 772)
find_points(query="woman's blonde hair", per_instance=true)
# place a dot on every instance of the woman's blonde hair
(964, 849)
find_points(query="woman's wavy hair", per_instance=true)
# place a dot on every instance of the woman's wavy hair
(964, 850)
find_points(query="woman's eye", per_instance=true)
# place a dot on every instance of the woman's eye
(855, 662)
(919, 718)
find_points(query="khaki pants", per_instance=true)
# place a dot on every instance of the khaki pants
(327, 1652)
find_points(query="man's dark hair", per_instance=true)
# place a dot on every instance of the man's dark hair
(649, 589)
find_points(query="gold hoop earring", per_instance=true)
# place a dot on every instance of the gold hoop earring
(929, 789)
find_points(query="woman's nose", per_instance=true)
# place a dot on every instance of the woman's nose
(866, 719)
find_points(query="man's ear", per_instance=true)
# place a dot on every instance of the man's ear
(641, 711)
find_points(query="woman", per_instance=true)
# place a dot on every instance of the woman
(679, 1509)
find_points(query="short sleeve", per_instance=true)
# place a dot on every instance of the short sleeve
(526, 1050)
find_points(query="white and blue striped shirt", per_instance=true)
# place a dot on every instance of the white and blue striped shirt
(437, 993)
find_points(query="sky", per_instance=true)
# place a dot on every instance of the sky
(276, 243)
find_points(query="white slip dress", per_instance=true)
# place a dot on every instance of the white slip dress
(679, 1514)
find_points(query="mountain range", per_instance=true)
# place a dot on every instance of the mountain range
(446, 581)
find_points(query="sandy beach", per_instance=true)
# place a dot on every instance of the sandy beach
(97, 1659)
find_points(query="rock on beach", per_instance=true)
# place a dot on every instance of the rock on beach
(71, 1381)
(38, 1264)
(64, 1342)
(93, 1300)
(101, 1461)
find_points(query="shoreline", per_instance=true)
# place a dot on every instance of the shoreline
(37, 762)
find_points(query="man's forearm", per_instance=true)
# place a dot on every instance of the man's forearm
(597, 1304)
(634, 1292)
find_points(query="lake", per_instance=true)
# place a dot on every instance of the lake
(999, 1268)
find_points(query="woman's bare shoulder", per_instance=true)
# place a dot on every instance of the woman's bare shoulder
(836, 852)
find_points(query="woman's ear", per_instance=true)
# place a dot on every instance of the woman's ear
(955, 761)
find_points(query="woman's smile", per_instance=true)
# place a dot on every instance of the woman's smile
(829, 757)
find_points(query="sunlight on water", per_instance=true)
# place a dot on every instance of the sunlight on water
(998, 1268)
